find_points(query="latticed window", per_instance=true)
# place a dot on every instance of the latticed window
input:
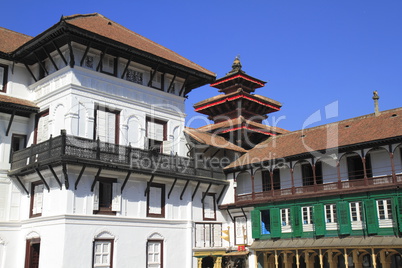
(307, 215)
(155, 254)
(330, 213)
(384, 209)
(285, 216)
(103, 253)
(356, 211)
(134, 76)
(89, 62)
(208, 235)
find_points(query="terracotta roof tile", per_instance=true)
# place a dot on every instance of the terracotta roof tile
(239, 120)
(10, 40)
(13, 100)
(212, 140)
(103, 26)
(357, 130)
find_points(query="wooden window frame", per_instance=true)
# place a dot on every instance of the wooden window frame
(37, 118)
(117, 121)
(32, 199)
(14, 137)
(163, 200)
(149, 140)
(331, 213)
(212, 242)
(28, 250)
(235, 230)
(5, 78)
(114, 73)
(105, 210)
(111, 250)
(160, 241)
(203, 208)
(386, 209)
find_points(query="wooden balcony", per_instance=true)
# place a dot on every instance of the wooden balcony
(319, 190)
(66, 149)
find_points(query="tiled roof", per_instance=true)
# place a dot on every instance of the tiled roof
(357, 130)
(103, 26)
(10, 40)
(232, 94)
(239, 120)
(5, 99)
(212, 140)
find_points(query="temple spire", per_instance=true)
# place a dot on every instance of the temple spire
(236, 66)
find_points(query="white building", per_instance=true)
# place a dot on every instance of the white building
(92, 115)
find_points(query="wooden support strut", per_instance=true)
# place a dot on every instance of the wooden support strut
(10, 122)
(221, 194)
(206, 192)
(42, 179)
(183, 86)
(79, 177)
(149, 185)
(50, 58)
(96, 179)
(125, 68)
(60, 54)
(125, 181)
(152, 76)
(85, 53)
(41, 64)
(29, 70)
(171, 188)
(171, 83)
(184, 189)
(22, 185)
(55, 176)
(230, 215)
(72, 60)
(195, 191)
(66, 181)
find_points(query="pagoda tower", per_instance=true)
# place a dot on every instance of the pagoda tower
(238, 113)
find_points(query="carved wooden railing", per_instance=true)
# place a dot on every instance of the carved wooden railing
(73, 149)
(356, 185)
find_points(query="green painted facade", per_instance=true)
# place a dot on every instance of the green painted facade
(262, 228)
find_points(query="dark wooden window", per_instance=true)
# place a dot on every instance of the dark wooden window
(307, 174)
(41, 132)
(3, 77)
(107, 123)
(318, 172)
(103, 253)
(266, 180)
(156, 200)
(18, 142)
(106, 193)
(36, 201)
(355, 167)
(156, 139)
(32, 253)
(209, 207)
(155, 254)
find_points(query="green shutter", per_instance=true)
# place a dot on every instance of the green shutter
(370, 211)
(256, 223)
(343, 215)
(319, 219)
(276, 227)
(297, 226)
(399, 212)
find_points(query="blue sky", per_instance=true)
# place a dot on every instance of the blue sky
(315, 55)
